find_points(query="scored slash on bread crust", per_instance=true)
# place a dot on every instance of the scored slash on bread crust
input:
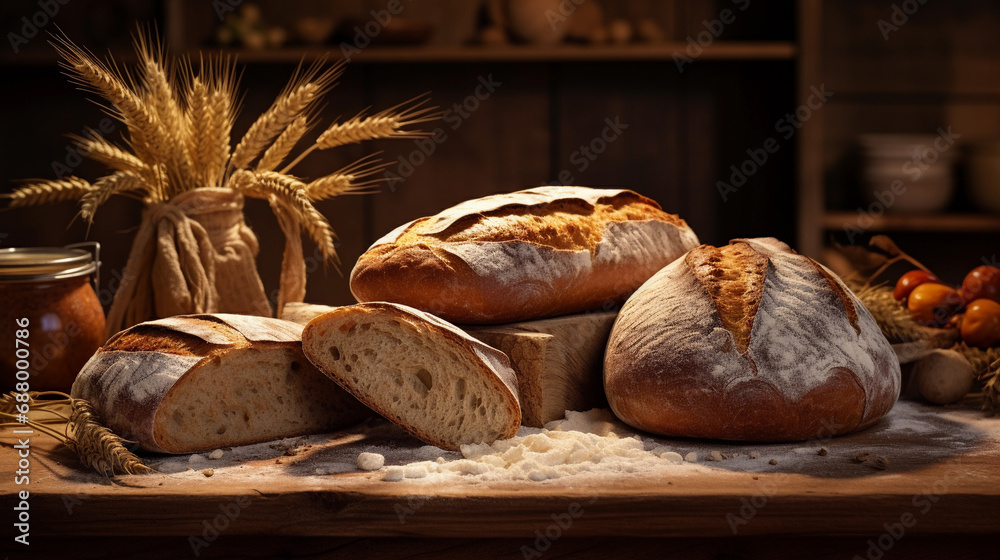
(199, 382)
(535, 253)
(748, 342)
(423, 374)
(733, 277)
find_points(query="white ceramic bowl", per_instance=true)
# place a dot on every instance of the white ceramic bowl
(924, 170)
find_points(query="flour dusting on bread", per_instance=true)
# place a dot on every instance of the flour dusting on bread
(535, 253)
(747, 327)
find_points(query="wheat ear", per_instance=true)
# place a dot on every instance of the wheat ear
(304, 89)
(986, 366)
(97, 446)
(169, 145)
(352, 179)
(48, 192)
(292, 192)
(287, 140)
(99, 149)
(91, 75)
(94, 445)
(991, 386)
(390, 123)
(896, 322)
(116, 183)
(210, 114)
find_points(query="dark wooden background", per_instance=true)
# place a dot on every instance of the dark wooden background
(684, 129)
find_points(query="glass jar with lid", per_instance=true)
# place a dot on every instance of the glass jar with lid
(50, 317)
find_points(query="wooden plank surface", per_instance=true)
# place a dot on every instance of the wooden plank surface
(943, 472)
(913, 547)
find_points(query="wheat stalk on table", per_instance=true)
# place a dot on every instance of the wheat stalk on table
(82, 432)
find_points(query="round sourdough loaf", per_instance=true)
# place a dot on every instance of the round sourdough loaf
(535, 253)
(748, 342)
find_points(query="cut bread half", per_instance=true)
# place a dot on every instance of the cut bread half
(196, 383)
(420, 372)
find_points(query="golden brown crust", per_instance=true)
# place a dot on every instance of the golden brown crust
(131, 377)
(580, 249)
(570, 224)
(733, 277)
(159, 339)
(750, 342)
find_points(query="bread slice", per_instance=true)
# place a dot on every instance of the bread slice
(200, 382)
(422, 373)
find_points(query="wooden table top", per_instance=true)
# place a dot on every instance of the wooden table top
(943, 476)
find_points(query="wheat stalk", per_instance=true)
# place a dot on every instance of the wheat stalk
(116, 183)
(98, 148)
(159, 88)
(48, 192)
(97, 446)
(991, 386)
(94, 445)
(292, 192)
(390, 123)
(209, 118)
(986, 365)
(278, 151)
(92, 75)
(305, 88)
(348, 180)
(169, 145)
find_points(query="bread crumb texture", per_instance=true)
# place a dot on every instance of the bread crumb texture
(444, 386)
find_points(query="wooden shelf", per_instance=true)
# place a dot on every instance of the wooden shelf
(561, 53)
(721, 50)
(957, 223)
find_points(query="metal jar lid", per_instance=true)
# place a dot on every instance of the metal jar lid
(37, 264)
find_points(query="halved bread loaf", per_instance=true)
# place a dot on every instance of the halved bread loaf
(422, 373)
(199, 382)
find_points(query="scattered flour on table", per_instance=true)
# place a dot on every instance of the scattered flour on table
(370, 461)
(583, 445)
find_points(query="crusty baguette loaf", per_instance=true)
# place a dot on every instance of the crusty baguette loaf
(436, 382)
(535, 253)
(750, 341)
(199, 382)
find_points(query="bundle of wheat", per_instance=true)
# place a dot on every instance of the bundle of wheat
(179, 120)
